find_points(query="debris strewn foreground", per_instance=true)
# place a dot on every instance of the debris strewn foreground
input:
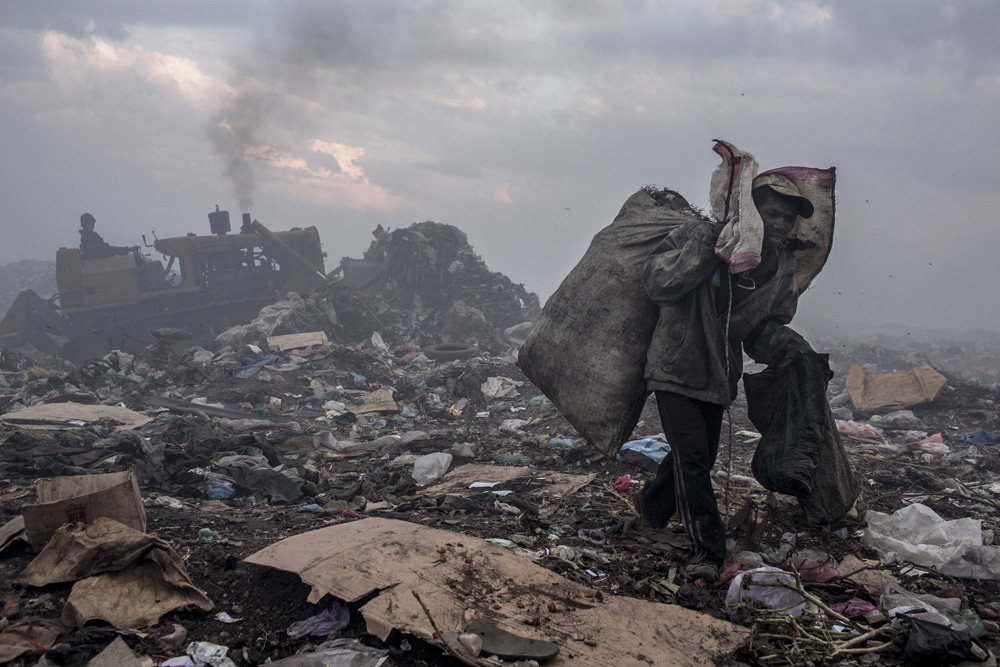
(369, 495)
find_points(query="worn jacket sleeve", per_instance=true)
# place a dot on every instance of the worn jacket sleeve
(772, 340)
(682, 261)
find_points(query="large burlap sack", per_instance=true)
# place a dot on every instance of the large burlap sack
(587, 352)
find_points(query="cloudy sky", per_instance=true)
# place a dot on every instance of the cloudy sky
(525, 123)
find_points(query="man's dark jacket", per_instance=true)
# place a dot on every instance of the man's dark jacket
(687, 351)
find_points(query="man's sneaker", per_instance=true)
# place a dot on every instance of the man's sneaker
(706, 571)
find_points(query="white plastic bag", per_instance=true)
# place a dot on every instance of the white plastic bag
(429, 467)
(758, 585)
(918, 535)
(500, 387)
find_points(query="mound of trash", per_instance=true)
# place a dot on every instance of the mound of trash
(34, 274)
(421, 285)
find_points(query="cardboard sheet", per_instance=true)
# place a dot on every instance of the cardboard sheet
(457, 481)
(483, 581)
(379, 400)
(83, 499)
(115, 654)
(297, 341)
(904, 389)
(60, 416)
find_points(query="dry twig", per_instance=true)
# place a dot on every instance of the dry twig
(453, 652)
(794, 640)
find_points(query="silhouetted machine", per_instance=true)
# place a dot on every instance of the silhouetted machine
(209, 284)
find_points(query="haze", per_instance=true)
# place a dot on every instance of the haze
(525, 124)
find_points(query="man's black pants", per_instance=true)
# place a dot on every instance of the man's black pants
(683, 482)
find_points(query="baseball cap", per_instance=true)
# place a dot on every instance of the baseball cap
(785, 186)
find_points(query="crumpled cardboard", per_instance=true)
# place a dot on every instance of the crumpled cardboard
(12, 530)
(921, 384)
(83, 499)
(124, 577)
(476, 580)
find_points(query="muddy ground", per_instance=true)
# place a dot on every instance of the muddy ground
(639, 561)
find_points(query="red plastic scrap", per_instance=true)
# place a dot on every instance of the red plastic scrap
(622, 483)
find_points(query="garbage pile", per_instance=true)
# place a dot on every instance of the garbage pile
(34, 274)
(421, 285)
(970, 357)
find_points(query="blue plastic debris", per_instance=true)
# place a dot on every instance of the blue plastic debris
(512, 459)
(564, 443)
(979, 437)
(250, 366)
(309, 508)
(645, 452)
(216, 490)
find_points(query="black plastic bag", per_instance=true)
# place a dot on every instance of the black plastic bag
(933, 644)
(800, 452)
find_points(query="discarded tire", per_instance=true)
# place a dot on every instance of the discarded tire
(451, 351)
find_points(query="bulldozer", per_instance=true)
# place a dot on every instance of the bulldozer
(207, 284)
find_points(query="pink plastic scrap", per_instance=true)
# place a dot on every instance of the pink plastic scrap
(818, 571)
(933, 445)
(853, 607)
(857, 429)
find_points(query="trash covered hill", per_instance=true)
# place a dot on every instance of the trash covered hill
(326, 484)
(34, 274)
(424, 286)
(968, 356)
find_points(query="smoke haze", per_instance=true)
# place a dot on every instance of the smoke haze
(527, 125)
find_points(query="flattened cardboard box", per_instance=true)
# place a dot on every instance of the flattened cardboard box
(904, 389)
(82, 499)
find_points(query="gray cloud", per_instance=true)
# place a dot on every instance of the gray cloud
(116, 19)
(525, 124)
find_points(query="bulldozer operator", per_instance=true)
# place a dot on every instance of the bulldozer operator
(92, 246)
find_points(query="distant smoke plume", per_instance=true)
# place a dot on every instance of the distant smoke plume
(268, 106)
(236, 131)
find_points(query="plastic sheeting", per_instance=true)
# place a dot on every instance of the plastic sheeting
(917, 534)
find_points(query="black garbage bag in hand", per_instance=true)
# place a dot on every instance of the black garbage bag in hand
(800, 452)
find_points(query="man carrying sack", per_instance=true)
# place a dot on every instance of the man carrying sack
(708, 316)
(666, 301)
